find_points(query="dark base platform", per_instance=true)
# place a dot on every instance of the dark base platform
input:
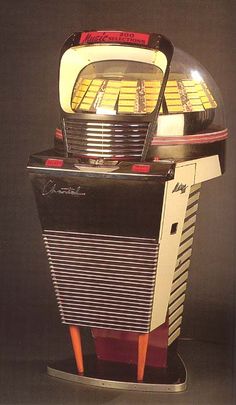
(123, 376)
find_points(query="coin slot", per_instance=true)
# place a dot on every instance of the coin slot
(174, 227)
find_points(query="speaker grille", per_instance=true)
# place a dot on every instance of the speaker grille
(114, 140)
(103, 280)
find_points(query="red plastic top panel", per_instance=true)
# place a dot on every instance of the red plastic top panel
(114, 36)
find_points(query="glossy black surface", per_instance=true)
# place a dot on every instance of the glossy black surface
(98, 205)
(162, 170)
(105, 199)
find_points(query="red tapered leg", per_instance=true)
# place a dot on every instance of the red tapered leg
(142, 353)
(77, 347)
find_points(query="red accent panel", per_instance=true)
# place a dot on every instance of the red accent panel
(114, 36)
(190, 139)
(122, 347)
(140, 168)
(54, 163)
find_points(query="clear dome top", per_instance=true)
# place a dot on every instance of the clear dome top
(126, 81)
(192, 98)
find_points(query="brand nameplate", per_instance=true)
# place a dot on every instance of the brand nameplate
(52, 188)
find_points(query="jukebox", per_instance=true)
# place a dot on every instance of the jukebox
(142, 127)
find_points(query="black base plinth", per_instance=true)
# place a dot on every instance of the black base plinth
(123, 376)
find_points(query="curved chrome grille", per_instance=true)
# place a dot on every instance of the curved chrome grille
(105, 139)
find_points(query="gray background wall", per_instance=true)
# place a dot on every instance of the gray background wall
(32, 33)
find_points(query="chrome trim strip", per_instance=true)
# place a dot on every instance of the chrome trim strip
(106, 321)
(95, 256)
(114, 173)
(64, 295)
(74, 280)
(103, 286)
(119, 385)
(132, 239)
(67, 263)
(109, 270)
(112, 326)
(128, 315)
(122, 276)
(119, 307)
(70, 277)
(64, 247)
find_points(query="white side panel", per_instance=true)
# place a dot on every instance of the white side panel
(174, 210)
(206, 168)
(181, 272)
